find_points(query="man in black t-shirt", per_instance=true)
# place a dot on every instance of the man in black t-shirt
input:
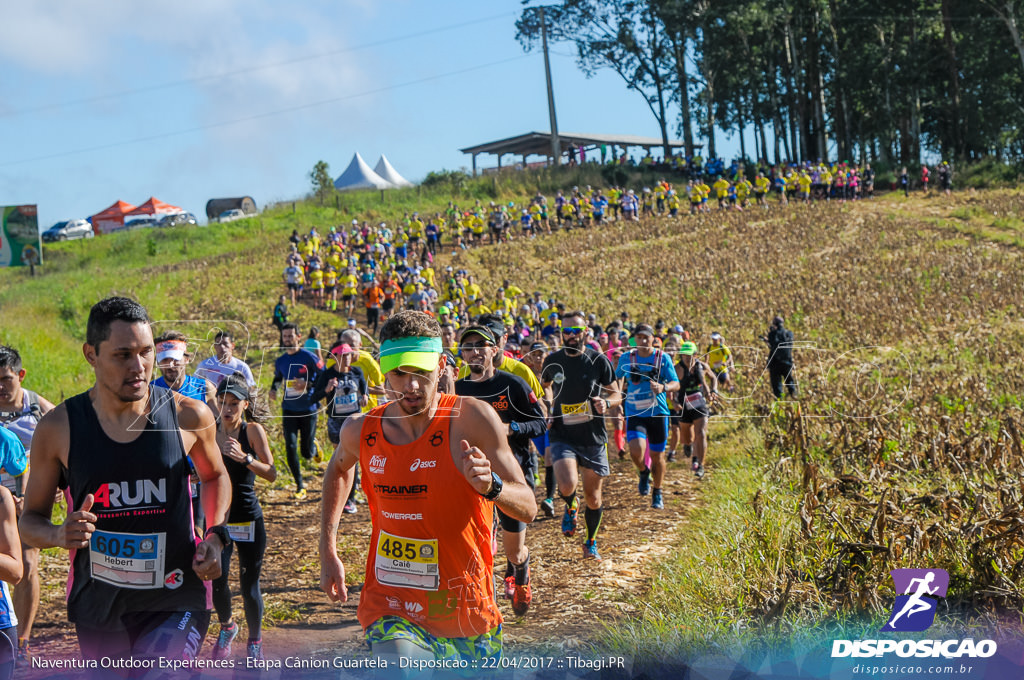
(581, 384)
(780, 358)
(520, 411)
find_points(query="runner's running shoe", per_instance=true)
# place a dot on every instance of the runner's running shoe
(24, 657)
(222, 648)
(350, 507)
(671, 456)
(510, 586)
(521, 599)
(547, 506)
(254, 650)
(657, 502)
(699, 471)
(590, 550)
(644, 487)
(569, 520)
(300, 495)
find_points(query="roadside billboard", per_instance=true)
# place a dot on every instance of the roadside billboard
(20, 245)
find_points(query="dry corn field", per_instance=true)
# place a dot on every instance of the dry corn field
(905, 447)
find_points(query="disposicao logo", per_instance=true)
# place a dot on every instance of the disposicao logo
(912, 612)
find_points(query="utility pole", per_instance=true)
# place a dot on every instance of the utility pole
(556, 146)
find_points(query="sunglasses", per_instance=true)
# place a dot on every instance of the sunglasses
(475, 348)
(573, 330)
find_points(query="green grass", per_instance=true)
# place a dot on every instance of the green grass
(745, 568)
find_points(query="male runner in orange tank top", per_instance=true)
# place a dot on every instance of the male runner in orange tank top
(433, 465)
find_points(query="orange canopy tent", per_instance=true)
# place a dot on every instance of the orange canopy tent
(154, 206)
(107, 220)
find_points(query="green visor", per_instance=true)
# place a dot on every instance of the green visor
(413, 352)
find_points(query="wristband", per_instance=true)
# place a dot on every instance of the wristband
(221, 532)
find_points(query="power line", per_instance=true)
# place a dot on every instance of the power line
(249, 69)
(259, 116)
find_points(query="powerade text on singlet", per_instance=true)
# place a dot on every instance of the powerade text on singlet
(140, 556)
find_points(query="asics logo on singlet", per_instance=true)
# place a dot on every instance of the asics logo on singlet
(377, 464)
(422, 464)
(141, 492)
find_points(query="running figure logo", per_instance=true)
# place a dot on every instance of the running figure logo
(914, 610)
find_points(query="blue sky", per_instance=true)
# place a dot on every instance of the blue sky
(197, 99)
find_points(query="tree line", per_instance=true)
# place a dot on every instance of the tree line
(854, 79)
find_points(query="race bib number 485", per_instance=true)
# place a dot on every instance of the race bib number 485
(406, 562)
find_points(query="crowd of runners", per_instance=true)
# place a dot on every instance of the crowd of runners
(532, 397)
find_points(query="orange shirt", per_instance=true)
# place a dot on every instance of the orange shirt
(373, 294)
(430, 558)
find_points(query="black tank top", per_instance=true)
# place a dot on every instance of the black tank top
(245, 507)
(140, 557)
(690, 381)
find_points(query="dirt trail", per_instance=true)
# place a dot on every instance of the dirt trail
(573, 597)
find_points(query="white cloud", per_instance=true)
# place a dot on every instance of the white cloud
(190, 40)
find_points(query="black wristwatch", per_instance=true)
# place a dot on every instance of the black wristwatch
(248, 459)
(514, 426)
(221, 532)
(496, 486)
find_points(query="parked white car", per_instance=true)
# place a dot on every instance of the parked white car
(68, 230)
(230, 215)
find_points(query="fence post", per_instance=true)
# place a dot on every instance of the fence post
(293, 207)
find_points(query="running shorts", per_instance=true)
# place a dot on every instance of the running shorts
(510, 524)
(591, 457)
(691, 414)
(148, 635)
(476, 648)
(541, 443)
(652, 428)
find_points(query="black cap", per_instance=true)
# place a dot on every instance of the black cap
(493, 322)
(643, 329)
(235, 387)
(483, 331)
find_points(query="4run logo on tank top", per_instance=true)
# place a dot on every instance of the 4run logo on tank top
(139, 494)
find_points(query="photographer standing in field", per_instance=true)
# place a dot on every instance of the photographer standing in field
(780, 357)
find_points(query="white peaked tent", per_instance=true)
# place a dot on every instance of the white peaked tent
(385, 170)
(358, 175)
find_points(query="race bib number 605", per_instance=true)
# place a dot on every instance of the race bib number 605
(128, 560)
